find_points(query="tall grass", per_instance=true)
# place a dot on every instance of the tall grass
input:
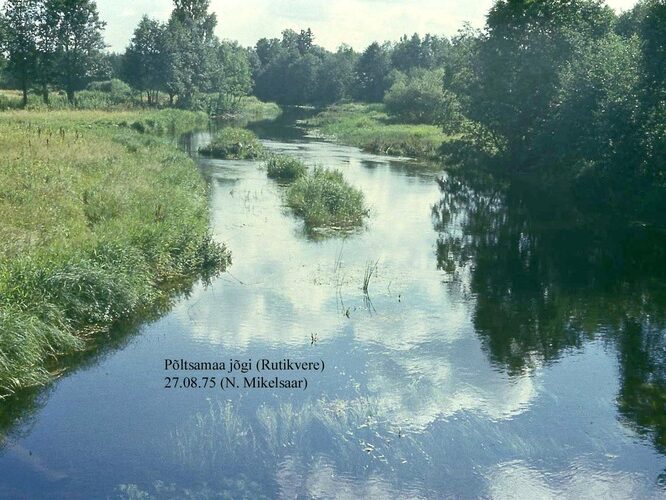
(324, 199)
(368, 126)
(285, 167)
(234, 144)
(95, 219)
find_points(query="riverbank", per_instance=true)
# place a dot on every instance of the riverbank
(98, 214)
(370, 128)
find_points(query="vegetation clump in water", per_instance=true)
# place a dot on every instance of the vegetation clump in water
(324, 198)
(233, 143)
(285, 168)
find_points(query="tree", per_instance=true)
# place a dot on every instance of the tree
(20, 42)
(191, 44)
(335, 77)
(372, 70)
(233, 78)
(146, 59)
(526, 45)
(78, 32)
(420, 98)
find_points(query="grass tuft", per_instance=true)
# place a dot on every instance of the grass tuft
(233, 143)
(324, 199)
(285, 168)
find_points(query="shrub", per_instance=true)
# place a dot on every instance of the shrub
(234, 144)
(419, 98)
(323, 198)
(286, 168)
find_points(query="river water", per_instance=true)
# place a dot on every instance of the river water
(500, 351)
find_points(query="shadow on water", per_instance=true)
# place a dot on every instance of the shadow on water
(17, 411)
(287, 127)
(545, 283)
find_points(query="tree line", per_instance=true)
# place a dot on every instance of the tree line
(566, 87)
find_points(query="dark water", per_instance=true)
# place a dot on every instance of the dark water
(506, 348)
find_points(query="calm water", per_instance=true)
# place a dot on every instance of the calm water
(501, 351)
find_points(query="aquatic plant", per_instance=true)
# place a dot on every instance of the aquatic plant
(284, 167)
(324, 198)
(233, 143)
(370, 270)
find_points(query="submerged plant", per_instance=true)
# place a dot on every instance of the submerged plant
(324, 198)
(234, 144)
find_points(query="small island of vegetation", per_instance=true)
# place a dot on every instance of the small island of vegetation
(324, 199)
(233, 143)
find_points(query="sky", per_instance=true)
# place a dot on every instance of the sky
(355, 22)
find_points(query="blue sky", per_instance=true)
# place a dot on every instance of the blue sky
(356, 22)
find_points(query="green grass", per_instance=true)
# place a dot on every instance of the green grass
(369, 127)
(244, 109)
(285, 168)
(324, 199)
(233, 143)
(96, 219)
(252, 109)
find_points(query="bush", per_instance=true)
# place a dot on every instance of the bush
(419, 98)
(234, 144)
(323, 198)
(286, 168)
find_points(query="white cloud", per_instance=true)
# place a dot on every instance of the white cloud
(356, 22)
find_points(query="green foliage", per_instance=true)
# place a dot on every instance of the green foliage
(96, 218)
(78, 31)
(146, 62)
(234, 144)
(420, 98)
(20, 34)
(413, 52)
(372, 73)
(368, 127)
(324, 199)
(285, 168)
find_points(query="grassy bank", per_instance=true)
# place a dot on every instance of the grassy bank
(96, 218)
(368, 127)
(243, 109)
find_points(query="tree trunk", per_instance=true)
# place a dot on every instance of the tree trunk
(45, 93)
(70, 96)
(25, 93)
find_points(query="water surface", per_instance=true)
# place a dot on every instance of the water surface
(500, 351)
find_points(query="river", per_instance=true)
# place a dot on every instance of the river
(500, 351)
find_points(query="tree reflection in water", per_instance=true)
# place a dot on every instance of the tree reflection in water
(546, 280)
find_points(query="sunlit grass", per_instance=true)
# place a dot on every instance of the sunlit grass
(94, 216)
(324, 199)
(368, 126)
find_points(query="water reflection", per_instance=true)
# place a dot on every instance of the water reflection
(481, 361)
(545, 284)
